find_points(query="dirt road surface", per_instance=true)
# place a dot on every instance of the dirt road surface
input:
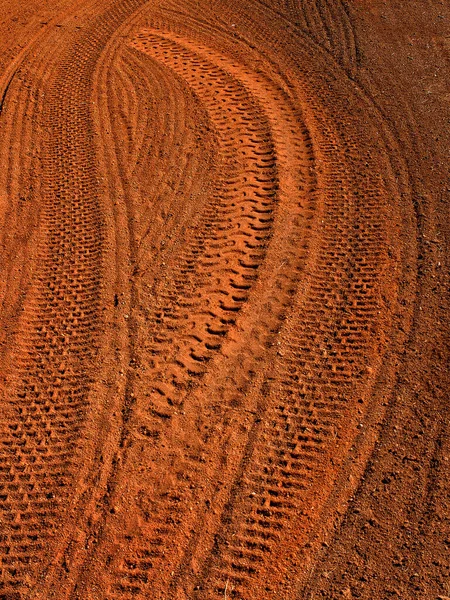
(224, 284)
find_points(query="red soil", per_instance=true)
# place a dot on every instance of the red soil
(224, 336)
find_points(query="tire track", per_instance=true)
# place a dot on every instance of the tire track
(20, 181)
(328, 25)
(55, 342)
(323, 365)
(393, 479)
(232, 234)
(19, 218)
(128, 233)
(247, 226)
(360, 188)
(135, 577)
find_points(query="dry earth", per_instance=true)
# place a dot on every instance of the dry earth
(224, 282)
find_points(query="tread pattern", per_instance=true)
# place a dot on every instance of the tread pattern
(329, 25)
(233, 238)
(189, 325)
(324, 370)
(55, 342)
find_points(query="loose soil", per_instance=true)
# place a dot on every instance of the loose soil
(224, 283)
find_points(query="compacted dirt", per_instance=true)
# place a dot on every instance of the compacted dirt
(224, 284)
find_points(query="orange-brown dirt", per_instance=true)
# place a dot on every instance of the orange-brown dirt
(224, 285)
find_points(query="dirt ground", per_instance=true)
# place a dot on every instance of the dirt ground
(224, 283)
